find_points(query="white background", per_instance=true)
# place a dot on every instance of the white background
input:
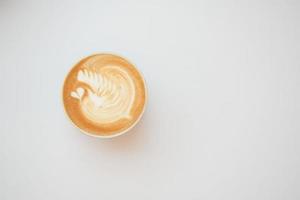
(223, 117)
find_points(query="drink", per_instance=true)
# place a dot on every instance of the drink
(104, 95)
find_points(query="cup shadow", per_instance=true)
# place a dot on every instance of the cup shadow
(132, 141)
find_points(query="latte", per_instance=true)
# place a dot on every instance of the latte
(104, 95)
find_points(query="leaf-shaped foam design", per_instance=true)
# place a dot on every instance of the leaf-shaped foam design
(98, 83)
(110, 94)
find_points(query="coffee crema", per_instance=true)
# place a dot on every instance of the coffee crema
(104, 95)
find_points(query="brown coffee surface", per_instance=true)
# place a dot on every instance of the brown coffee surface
(104, 95)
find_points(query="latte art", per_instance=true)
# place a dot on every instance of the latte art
(104, 95)
(107, 95)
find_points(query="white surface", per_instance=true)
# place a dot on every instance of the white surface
(223, 115)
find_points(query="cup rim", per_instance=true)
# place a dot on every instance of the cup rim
(117, 133)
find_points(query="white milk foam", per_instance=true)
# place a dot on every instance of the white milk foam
(105, 95)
